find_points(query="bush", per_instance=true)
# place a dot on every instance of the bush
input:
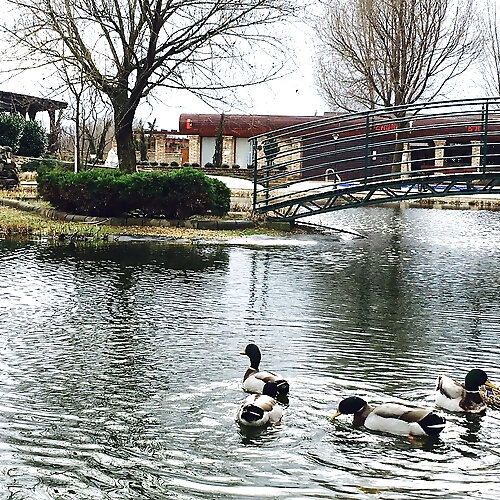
(224, 165)
(221, 198)
(209, 165)
(90, 192)
(25, 137)
(33, 140)
(11, 129)
(34, 165)
(236, 166)
(110, 193)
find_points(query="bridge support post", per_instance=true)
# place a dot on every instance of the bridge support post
(439, 152)
(367, 147)
(485, 135)
(406, 161)
(253, 146)
(476, 155)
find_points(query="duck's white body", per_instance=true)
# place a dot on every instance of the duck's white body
(452, 396)
(394, 418)
(258, 410)
(397, 418)
(254, 381)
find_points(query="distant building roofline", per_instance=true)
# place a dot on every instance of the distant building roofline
(242, 126)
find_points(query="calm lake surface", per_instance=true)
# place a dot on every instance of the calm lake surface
(120, 367)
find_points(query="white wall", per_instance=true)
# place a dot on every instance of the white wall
(207, 150)
(243, 152)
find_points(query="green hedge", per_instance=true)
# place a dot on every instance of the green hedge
(25, 137)
(35, 164)
(33, 141)
(11, 129)
(112, 193)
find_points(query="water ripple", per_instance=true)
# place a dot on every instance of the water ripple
(120, 367)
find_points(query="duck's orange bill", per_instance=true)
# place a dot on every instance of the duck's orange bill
(335, 416)
(491, 386)
(243, 352)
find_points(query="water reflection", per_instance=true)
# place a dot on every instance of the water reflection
(472, 428)
(259, 437)
(121, 370)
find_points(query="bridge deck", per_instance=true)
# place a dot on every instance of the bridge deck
(379, 156)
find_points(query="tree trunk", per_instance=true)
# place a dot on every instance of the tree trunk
(124, 113)
(399, 146)
(219, 140)
(101, 145)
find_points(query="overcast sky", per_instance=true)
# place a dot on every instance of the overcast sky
(295, 94)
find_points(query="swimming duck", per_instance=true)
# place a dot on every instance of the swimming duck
(490, 396)
(261, 409)
(254, 380)
(465, 398)
(395, 418)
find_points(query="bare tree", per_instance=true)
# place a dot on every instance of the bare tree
(490, 64)
(91, 114)
(392, 52)
(127, 48)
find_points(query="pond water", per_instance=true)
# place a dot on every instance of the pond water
(121, 374)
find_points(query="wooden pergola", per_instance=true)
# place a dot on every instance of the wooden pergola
(28, 106)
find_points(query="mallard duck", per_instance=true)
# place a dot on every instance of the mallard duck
(261, 409)
(490, 396)
(453, 396)
(254, 380)
(395, 418)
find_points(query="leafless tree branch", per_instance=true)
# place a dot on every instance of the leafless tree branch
(393, 52)
(128, 48)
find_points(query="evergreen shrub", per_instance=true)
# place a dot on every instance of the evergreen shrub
(34, 165)
(112, 193)
(11, 129)
(33, 141)
(25, 137)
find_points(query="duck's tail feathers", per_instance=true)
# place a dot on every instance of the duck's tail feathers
(432, 424)
(252, 413)
(438, 383)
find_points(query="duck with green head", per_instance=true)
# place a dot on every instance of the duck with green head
(255, 379)
(464, 398)
(402, 419)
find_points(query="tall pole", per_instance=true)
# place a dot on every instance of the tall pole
(254, 164)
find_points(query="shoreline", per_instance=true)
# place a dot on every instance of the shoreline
(23, 219)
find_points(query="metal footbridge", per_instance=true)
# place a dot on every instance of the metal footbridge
(384, 155)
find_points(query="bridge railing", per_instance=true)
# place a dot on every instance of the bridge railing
(378, 146)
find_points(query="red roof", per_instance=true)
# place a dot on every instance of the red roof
(206, 125)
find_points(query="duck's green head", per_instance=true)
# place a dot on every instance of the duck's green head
(349, 406)
(474, 379)
(253, 352)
